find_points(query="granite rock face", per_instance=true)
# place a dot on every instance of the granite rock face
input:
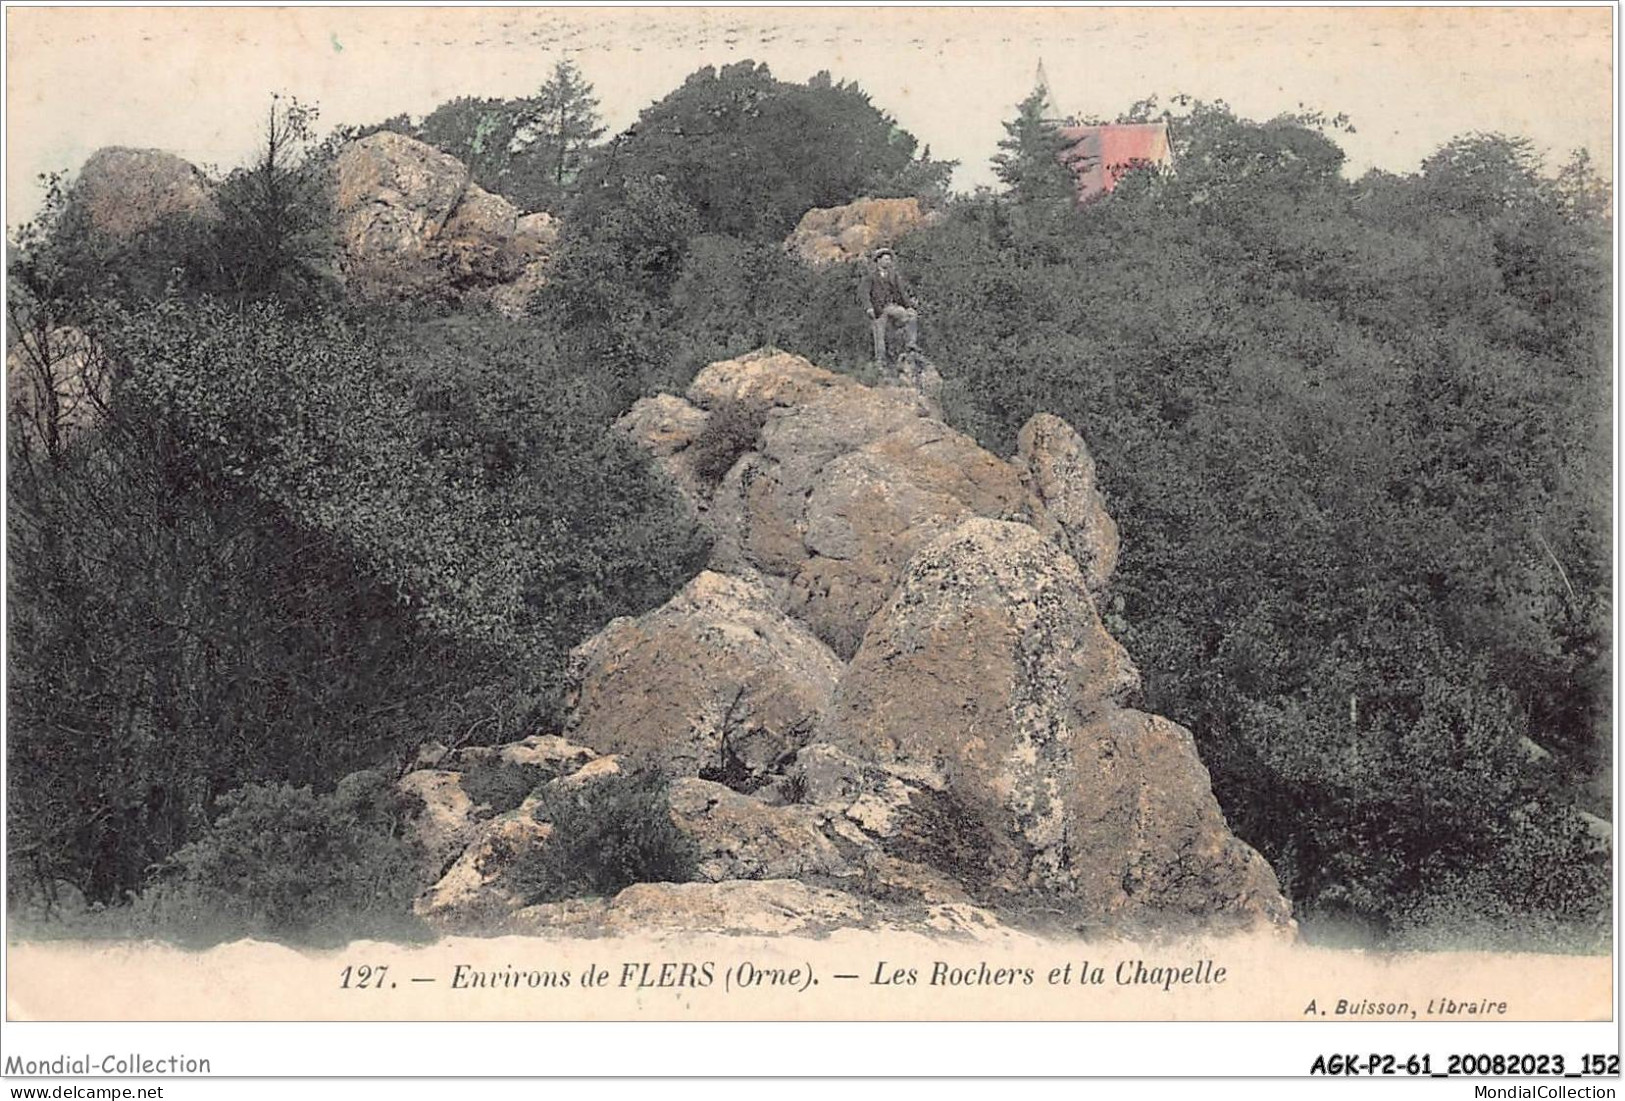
(127, 191)
(412, 224)
(990, 679)
(836, 234)
(891, 700)
(1057, 468)
(843, 484)
(718, 683)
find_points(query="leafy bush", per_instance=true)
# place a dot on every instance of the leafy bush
(499, 785)
(284, 863)
(671, 254)
(587, 527)
(1352, 435)
(270, 236)
(607, 835)
(346, 539)
(733, 428)
(750, 154)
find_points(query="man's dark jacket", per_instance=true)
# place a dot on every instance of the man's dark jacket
(880, 291)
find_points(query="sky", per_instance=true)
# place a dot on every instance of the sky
(196, 80)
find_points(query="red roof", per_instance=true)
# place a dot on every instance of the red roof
(1099, 156)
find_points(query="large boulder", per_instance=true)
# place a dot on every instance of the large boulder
(833, 235)
(1149, 841)
(989, 679)
(393, 194)
(872, 509)
(126, 191)
(412, 223)
(717, 683)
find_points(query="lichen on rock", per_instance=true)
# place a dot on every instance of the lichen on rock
(124, 192)
(412, 224)
(717, 683)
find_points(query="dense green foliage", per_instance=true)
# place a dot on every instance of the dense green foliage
(694, 200)
(287, 541)
(1029, 162)
(530, 149)
(1355, 435)
(294, 545)
(283, 863)
(607, 835)
(750, 154)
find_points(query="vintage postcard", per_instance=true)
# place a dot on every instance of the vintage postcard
(832, 514)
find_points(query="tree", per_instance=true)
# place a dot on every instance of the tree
(479, 132)
(273, 238)
(530, 149)
(560, 125)
(751, 154)
(1030, 165)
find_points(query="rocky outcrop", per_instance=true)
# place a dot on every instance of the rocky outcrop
(974, 680)
(989, 678)
(412, 224)
(836, 234)
(481, 818)
(446, 824)
(740, 837)
(844, 485)
(480, 889)
(891, 701)
(476, 852)
(456, 792)
(839, 842)
(124, 192)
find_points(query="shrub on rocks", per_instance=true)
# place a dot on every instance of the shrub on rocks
(607, 835)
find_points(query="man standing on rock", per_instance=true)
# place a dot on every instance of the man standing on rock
(888, 300)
